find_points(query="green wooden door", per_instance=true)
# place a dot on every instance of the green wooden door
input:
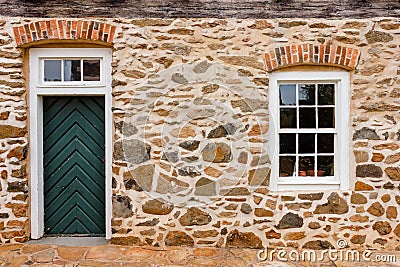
(74, 179)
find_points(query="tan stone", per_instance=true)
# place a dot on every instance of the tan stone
(183, 132)
(391, 212)
(358, 239)
(205, 234)
(360, 186)
(397, 230)
(236, 239)
(393, 173)
(207, 252)
(385, 198)
(259, 212)
(361, 156)
(295, 235)
(377, 157)
(44, 256)
(357, 198)
(157, 207)
(71, 253)
(392, 158)
(390, 146)
(212, 172)
(177, 238)
(376, 209)
(271, 234)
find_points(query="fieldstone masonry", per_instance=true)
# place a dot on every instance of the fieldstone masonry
(191, 163)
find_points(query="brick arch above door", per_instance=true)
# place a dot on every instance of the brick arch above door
(46, 30)
(309, 54)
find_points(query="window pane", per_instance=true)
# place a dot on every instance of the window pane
(91, 70)
(307, 117)
(72, 70)
(306, 94)
(326, 94)
(288, 118)
(306, 166)
(306, 143)
(287, 94)
(325, 166)
(287, 166)
(326, 118)
(287, 143)
(326, 143)
(52, 70)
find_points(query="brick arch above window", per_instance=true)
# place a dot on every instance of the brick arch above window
(309, 54)
(85, 30)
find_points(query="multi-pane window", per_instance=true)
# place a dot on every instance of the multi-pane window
(307, 129)
(71, 70)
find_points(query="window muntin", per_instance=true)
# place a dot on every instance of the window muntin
(307, 131)
(71, 71)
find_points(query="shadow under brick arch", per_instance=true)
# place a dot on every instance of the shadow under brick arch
(47, 31)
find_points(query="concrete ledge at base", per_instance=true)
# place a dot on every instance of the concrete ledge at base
(70, 241)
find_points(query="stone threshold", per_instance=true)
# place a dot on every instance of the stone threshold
(70, 241)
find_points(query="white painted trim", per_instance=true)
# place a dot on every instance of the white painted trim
(36, 125)
(341, 180)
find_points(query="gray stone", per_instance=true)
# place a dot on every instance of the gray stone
(377, 36)
(201, 67)
(166, 184)
(136, 151)
(152, 222)
(260, 160)
(368, 170)
(195, 216)
(335, 205)
(205, 187)
(129, 129)
(190, 171)
(172, 157)
(290, 220)
(365, 133)
(201, 114)
(190, 145)
(222, 131)
(245, 208)
(179, 78)
(217, 153)
(259, 177)
(143, 175)
(236, 191)
(121, 207)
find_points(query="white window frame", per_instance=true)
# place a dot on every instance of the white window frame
(340, 180)
(36, 92)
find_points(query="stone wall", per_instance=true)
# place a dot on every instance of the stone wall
(191, 163)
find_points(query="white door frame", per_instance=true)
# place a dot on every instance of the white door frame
(37, 90)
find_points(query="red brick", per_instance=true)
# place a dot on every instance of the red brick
(54, 28)
(300, 50)
(332, 54)
(112, 32)
(84, 29)
(288, 55)
(321, 54)
(38, 30)
(61, 29)
(354, 58)
(17, 36)
(79, 30)
(268, 62)
(90, 30)
(101, 30)
(343, 56)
